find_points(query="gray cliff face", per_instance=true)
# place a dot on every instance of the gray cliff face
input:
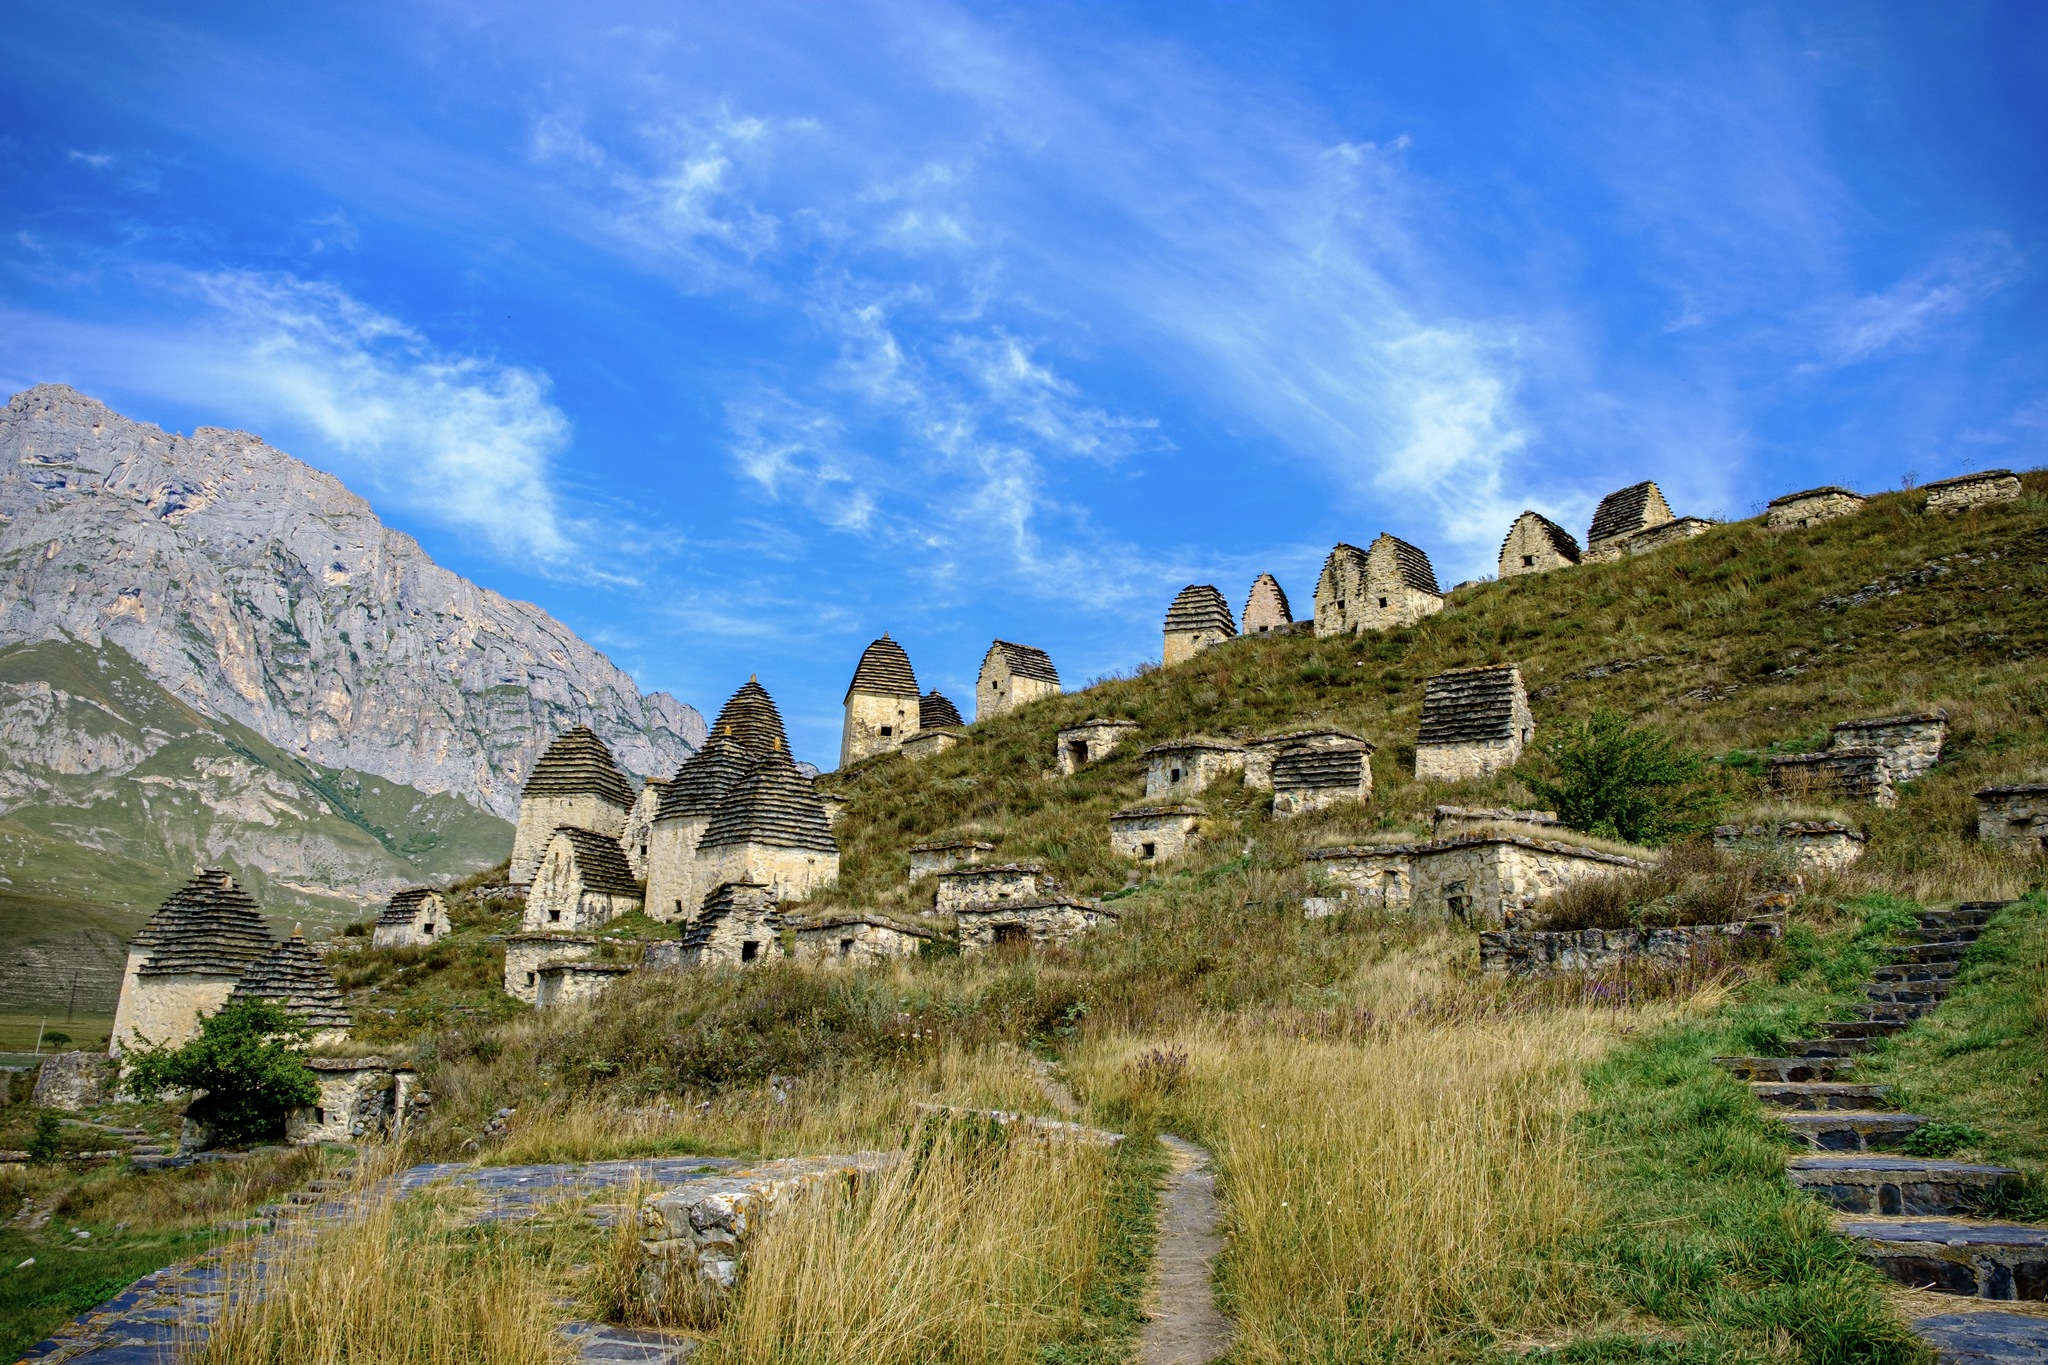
(257, 589)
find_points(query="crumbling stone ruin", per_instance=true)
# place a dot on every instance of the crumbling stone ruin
(1911, 744)
(2015, 817)
(1310, 778)
(526, 955)
(1818, 846)
(576, 783)
(639, 832)
(739, 811)
(1390, 584)
(1972, 490)
(833, 804)
(571, 983)
(1154, 833)
(583, 881)
(1198, 618)
(943, 855)
(857, 941)
(360, 1097)
(1260, 753)
(1536, 544)
(1183, 767)
(1028, 924)
(1090, 742)
(883, 707)
(1595, 950)
(1265, 608)
(1448, 820)
(1490, 880)
(1635, 521)
(1475, 723)
(412, 918)
(1013, 675)
(696, 1236)
(738, 926)
(187, 960)
(977, 884)
(1852, 774)
(293, 977)
(929, 744)
(72, 1081)
(1812, 507)
(934, 712)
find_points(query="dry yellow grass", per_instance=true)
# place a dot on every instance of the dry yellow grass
(979, 1249)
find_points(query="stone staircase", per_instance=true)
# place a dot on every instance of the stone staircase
(1909, 1215)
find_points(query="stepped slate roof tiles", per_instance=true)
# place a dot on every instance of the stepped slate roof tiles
(773, 804)
(705, 777)
(403, 905)
(750, 717)
(884, 668)
(579, 764)
(1628, 510)
(1318, 769)
(208, 927)
(1199, 606)
(1561, 540)
(1469, 704)
(292, 975)
(1025, 661)
(601, 861)
(1411, 564)
(935, 712)
(729, 898)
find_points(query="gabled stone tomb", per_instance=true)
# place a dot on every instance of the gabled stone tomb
(1311, 778)
(1387, 585)
(412, 918)
(883, 706)
(576, 783)
(582, 882)
(1260, 753)
(1198, 618)
(1013, 675)
(1536, 544)
(526, 955)
(738, 927)
(1265, 608)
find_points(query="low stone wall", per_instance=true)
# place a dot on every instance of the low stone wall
(980, 884)
(1028, 925)
(1520, 953)
(2014, 818)
(1815, 845)
(1972, 490)
(928, 860)
(1853, 774)
(526, 954)
(1811, 508)
(1182, 768)
(72, 1081)
(1911, 745)
(569, 983)
(360, 1097)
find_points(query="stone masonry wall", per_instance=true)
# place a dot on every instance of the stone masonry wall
(72, 1081)
(2014, 818)
(1593, 950)
(164, 1009)
(1854, 774)
(570, 983)
(1811, 509)
(868, 714)
(854, 943)
(1090, 742)
(1041, 924)
(1466, 762)
(790, 873)
(1816, 846)
(526, 954)
(674, 894)
(1911, 745)
(1169, 831)
(1972, 490)
(541, 816)
(1197, 767)
(1485, 880)
(986, 884)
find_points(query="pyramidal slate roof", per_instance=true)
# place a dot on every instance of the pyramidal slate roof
(885, 669)
(773, 804)
(579, 764)
(727, 899)
(403, 905)
(1410, 564)
(1199, 606)
(209, 927)
(292, 975)
(750, 717)
(601, 861)
(1469, 704)
(1270, 587)
(935, 712)
(1318, 769)
(1561, 540)
(704, 779)
(1627, 510)
(1024, 661)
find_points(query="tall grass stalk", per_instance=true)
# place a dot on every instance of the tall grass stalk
(980, 1248)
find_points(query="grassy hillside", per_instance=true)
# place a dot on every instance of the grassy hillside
(114, 791)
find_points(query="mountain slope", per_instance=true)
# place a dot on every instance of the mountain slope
(261, 591)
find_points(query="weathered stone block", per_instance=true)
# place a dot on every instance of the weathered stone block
(637, 837)
(857, 940)
(1543, 953)
(1853, 774)
(1812, 507)
(1154, 833)
(1028, 924)
(1185, 767)
(1493, 880)
(977, 884)
(942, 855)
(1972, 490)
(526, 954)
(1911, 744)
(931, 743)
(2014, 818)
(72, 1081)
(360, 1097)
(700, 1233)
(1090, 742)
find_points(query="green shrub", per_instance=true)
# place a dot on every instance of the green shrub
(249, 1059)
(1609, 778)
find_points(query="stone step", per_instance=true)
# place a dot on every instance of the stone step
(323, 1186)
(1873, 1183)
(1882, 1012)
(1950, 951)
(159, 1163)
(1860, 1028)
(149, 1149)
(1786, 1068)
(1939, 932)
(1956, 1255)
(1852, 1130)
(1907, 993)
(1813, 1096)
(304, 1197)
(1827, 1047)
(1976, 913)
(1985, 1338)
(1917, 971)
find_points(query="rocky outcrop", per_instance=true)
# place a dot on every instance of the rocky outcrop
(257, 589)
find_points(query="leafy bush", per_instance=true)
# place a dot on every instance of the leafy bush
(249, 1059)
(44, 1145)
(1609, 778)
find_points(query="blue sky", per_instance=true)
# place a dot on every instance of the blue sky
(735, 335)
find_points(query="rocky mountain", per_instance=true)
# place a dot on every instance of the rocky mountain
(255, 589)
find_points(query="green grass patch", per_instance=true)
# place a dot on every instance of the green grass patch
(71, 1276)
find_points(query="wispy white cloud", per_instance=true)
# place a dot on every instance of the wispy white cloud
(1913, 311)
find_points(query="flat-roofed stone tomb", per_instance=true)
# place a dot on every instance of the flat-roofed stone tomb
(1198, 618)
(1811, 507)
